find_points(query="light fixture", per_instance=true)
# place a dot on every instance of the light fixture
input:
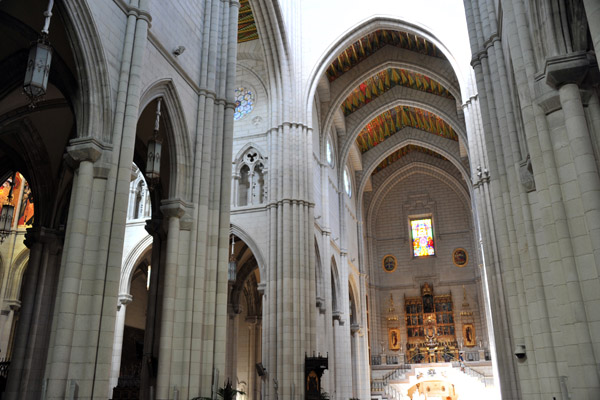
(154, 150)
(38, 63)
(7, 213)
(231, 273)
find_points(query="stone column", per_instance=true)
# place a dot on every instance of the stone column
(83, 153)
(592, 11)
(169, 376)
(124, 300)
(13, 307)
(233, 330)
(32, 331)
(148, 377)
(235, 183)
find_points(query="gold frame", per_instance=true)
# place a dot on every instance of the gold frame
(383, 262)
(454, 257)
(394, 345)
(467, 342)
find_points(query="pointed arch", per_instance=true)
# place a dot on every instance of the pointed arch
(254, 248)
(93, 98)
(362, 29)
(15, 275)
(178, 136)
(130, 262)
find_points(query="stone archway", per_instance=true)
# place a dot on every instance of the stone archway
(244, 324)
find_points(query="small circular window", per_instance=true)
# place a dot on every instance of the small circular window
(347, 183)
(329, 153)
(244, 102)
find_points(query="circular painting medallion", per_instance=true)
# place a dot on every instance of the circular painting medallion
(460, 257)
(389, 263)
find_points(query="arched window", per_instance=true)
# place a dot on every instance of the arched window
(347, 183)
(244, 102)
(250, 179)
(329, 152)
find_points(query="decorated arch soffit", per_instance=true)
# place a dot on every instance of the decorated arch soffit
(403, 152)
(395, 119)
(384, 80)
(370, 43)
(247, 30)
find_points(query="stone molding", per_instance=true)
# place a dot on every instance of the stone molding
(84, 149)
(574, 68)
(174, 208)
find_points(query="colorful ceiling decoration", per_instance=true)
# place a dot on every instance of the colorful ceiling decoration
(393, 120)
(385, 80)
(395, 156)
(374, 41)
(246, 24)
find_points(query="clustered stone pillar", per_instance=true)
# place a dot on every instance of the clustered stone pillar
(31, 336)
(543, 173)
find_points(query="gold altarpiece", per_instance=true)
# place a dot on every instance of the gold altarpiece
(431, 334)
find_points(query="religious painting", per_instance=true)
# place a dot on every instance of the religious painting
(394, 338)
(469, 335)
(422, 237)
(389, 263)
(460, 257)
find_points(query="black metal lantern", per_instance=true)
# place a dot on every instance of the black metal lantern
(232, 270)
(154, 150)
(38, 68)
(38, 63)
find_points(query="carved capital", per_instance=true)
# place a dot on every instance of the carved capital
(261, 288)
(321, 305)
(526, 175)
(124, 299)
(173, 208)
(40, 235)
(570, 68)
(84, 149)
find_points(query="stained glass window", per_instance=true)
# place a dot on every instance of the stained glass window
(422, 237)
(347, 184)
(328, 152)
(244, 102)
(22, 199)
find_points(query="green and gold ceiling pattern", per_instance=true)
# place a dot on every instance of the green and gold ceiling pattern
(398, 154)
(374, 41)
(246, 24)
(393, 120)
(383, 81)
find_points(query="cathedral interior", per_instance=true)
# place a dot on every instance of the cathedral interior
(300, 200)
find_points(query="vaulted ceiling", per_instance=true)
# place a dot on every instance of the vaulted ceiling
(404, 151)
(387, 79)
(369, 44)
(246, 24)
(393, 120)
(385, 82)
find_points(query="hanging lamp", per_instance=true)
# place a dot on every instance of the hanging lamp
(231, 272)
(38, 63)
(154, 150)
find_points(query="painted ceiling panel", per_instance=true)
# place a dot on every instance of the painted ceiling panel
(395, 156)
(246, 24)
(393, 120)
(374, 41)
(383, 81)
